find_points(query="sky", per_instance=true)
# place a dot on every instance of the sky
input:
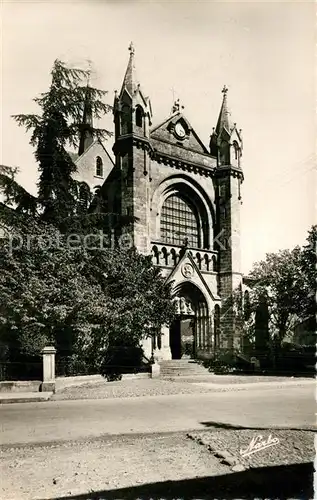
(262, 51)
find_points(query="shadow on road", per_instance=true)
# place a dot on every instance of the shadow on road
(223, 425)
(282, 482)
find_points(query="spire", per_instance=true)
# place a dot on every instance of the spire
(86, 136)
(130, 81)
(224, 116)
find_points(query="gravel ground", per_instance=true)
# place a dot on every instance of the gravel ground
(121, 462)
(169, 466)
(294, 446)
(158, 387)
(126, 389)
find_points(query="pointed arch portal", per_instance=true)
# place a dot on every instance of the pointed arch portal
(191, 329)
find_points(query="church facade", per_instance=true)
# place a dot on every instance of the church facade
(186, 201)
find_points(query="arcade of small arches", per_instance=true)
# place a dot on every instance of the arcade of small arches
(169, 256)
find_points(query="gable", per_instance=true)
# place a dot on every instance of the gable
(179, 275)
(167, 132)
(86, 165)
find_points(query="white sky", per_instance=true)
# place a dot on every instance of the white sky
(263, 51)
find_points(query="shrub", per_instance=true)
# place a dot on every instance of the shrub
(120, 359)
(223, 362)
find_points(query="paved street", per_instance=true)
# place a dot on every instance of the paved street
(289, 406)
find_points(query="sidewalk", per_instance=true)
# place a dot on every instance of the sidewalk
(152, 387)
(163, 387)
(24, 397)
(259, 384)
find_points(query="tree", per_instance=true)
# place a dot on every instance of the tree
(41, 291)
(287, 282)
(82, 297)
(14, 193)
(53, 131)
(138, 299)
(53, 289)
(309, 270)
(279, 281)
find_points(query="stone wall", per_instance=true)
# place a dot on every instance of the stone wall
(86, 166)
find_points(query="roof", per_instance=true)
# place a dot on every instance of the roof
(224, 120)
(130, 80)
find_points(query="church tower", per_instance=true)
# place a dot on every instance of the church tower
(226, 144)
(133, 118)
(86, 136)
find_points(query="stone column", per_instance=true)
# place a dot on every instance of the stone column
(165, 352)
(147, 347)
(48, 384)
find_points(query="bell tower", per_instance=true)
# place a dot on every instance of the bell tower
(132, 118)
(226, 144)
(86, 129)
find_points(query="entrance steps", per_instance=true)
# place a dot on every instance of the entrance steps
(182, 368)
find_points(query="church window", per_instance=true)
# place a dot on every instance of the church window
(126, 120)
(99, 167)
(174, 256)
(207, 261)
(179, 222)
(198, 259)
(139, 117)
(224, 153)
(217, 316)
(156, 254)
(214, 263)
(236, 152)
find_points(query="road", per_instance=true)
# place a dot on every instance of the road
(72, 420)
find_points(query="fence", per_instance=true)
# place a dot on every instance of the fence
(66, 366)
(21, 370)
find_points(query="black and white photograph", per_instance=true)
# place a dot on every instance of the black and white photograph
(158, 250)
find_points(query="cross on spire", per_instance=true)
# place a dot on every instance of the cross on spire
(89, 71)
(177, 106)
(224, 90)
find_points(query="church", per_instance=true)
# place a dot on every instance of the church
(185, 199)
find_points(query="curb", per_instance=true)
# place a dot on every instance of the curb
(225, 457)
(28, 399)
(254, 385)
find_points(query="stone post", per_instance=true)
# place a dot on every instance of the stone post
(48, 384)
(155, 370)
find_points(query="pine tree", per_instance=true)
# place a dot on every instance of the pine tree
(56, 129)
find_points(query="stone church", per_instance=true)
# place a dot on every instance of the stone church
(186, 200)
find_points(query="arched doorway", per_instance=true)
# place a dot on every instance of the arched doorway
(190, 330)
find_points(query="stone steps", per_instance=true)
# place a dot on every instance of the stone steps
(181, 368)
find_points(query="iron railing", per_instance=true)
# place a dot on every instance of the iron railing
(21, 370)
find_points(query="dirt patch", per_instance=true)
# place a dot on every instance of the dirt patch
(292, 446)
(44, 472)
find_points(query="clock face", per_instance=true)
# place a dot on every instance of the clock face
(179, 130)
